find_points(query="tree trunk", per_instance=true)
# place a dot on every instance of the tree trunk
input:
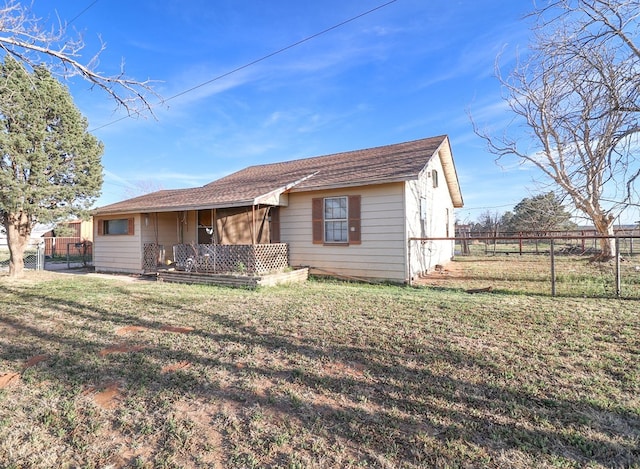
(18, 227)
(604, 227)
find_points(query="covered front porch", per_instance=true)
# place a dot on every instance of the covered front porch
(241, 240)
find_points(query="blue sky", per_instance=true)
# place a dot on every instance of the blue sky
(409, 70)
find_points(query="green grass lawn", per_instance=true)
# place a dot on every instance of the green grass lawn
(108, 373)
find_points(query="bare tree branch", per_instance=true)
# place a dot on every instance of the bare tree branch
(23, 36)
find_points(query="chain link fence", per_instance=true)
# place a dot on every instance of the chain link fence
(33, 257)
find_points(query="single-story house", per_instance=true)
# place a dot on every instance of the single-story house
(349, 214)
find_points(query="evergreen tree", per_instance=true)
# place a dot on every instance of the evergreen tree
(50, 165)
(540, 214)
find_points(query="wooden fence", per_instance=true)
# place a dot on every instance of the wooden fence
(63, 246)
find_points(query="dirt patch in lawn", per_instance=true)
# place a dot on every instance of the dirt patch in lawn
(11, 378)
(8, 379)
(106, 395)
(175, 367)
(443, 275)
(33, 361)
(203, 417)
(130, 329)
(177, 329)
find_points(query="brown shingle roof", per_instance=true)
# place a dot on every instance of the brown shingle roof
(390, 163)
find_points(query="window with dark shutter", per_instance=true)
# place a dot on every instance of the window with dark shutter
(317, 220)
(354, 219)
(336, 220)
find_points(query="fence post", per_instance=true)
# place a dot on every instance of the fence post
(40, 256)
(520, 241)
(618, 288)
(409, 262)
(553, 270)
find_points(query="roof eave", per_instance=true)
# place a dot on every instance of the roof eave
(326, 187)
(173, 208)
(450, 173)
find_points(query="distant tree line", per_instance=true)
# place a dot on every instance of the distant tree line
(536, 215)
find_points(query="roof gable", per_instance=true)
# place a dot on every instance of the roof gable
(390, 163)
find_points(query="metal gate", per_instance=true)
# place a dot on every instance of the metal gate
(33, 257)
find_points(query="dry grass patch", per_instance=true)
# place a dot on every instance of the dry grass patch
(576, 276)
(324, 374)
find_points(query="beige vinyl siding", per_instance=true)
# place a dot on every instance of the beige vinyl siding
(381, 254)
(124, 253)
(161, 229)
(187, 222)
(118, 253)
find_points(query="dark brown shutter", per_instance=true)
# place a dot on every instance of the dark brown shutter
(317, 219)
(131, 226)
(100, 223)
(354, 219)
(274, 227)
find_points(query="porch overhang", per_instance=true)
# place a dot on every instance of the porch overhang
(277, 198)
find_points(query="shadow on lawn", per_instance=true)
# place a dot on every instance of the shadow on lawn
(383, 403)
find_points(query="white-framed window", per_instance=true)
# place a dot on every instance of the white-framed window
(336, 221)
(434, 178)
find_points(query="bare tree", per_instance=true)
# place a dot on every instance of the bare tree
(489, 225)
(25, 37)
(576, 96)
(142, 187)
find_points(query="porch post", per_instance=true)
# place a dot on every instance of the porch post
(253, 224)
(213, 225)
